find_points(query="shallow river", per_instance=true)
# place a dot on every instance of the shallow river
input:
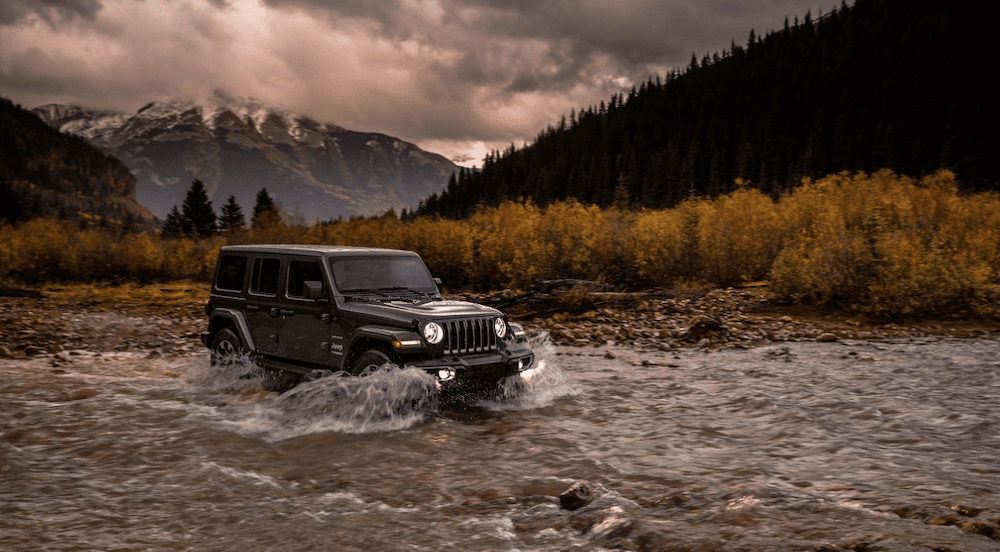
(800, 446)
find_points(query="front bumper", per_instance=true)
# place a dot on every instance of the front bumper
(487, 368)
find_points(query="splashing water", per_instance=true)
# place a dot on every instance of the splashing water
(388, 399)
(238, 373)
(540, 386)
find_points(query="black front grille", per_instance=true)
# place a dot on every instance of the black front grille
(471, 335)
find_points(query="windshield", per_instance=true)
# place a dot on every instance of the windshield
(382, 273)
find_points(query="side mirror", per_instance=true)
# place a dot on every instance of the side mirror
(313, 289)
(437, 281)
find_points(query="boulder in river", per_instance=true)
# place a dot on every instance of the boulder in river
(576, 496)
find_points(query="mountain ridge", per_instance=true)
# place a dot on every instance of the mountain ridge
(316, 171)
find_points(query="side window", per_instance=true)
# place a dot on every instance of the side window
(232, 270)
(299, 272)
(264, 280)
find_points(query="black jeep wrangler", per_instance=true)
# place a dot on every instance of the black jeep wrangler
(301, 311)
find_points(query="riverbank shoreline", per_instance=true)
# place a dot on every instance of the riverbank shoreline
(166, 319)
(717, 318)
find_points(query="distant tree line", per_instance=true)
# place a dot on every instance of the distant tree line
(879, 84)
(197, 218)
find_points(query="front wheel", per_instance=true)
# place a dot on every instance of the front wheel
(369, 361)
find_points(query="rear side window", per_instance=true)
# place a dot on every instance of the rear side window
(265, 276)
(232, 271)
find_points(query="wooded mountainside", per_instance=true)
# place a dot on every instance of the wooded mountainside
(44, 172)
(879, 84)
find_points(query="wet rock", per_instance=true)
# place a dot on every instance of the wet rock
(615, 524)
(984, 528)
(576, 496)
(703, 327)
(827, 337)
(967, 511)
(949, 519)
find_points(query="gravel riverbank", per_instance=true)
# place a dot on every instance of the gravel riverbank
(41, 323)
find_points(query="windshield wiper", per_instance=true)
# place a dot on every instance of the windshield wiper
(367, 295)
(402, 288)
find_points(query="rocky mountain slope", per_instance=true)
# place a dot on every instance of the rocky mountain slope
(44, 172)
(316, 171)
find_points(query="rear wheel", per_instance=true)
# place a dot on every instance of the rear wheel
(369, 361)
(226, 348)
(227, 351)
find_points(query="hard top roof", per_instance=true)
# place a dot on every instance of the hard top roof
(333, 250)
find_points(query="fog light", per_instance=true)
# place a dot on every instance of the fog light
(446, 374)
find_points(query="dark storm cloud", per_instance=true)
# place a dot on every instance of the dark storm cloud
(441, 72)
(13, 12)
(567, 39)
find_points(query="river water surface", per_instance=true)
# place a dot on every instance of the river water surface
(798, 446)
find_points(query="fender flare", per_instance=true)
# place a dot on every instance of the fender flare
(239, 323)
(383, 334)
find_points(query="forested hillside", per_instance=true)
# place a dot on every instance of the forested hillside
(44, 172)
(878, 84)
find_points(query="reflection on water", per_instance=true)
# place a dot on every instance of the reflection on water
(803, 446)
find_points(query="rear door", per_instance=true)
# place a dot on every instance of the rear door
(263, 303)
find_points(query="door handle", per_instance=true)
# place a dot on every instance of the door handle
(253, 308)
(287, 312)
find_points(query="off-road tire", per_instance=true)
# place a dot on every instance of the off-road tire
(369, 361)
(227, 348)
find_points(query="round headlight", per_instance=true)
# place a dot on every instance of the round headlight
(500, 327)
(433, 333)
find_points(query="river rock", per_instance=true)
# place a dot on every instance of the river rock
(827, 337)
(576, 496)
(984, 528)
(614, 525)
(703, 327)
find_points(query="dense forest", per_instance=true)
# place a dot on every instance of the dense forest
(44, 172)
(878, 84)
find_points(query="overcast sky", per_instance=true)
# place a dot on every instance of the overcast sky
(458, 77)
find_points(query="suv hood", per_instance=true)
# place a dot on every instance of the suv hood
(404, 311)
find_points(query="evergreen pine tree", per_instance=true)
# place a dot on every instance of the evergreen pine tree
(232, 218)
(265, 212)
(197, 210)
(11, 209)
(173, 227)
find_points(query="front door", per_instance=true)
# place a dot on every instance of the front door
(304, 330)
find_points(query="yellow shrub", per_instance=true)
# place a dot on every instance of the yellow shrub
(888, 243)
(505, 247)
(657, 246)
(740, 236)
(576, 241)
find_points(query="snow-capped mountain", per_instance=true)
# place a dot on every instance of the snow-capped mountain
(314, 170)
